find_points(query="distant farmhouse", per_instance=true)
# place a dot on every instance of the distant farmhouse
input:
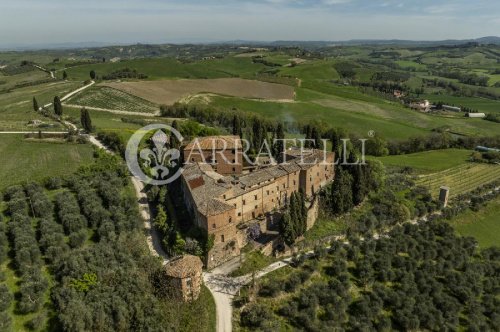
(226, 202)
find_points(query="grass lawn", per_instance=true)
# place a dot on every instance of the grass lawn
(24, 160)
(484, 225)
(325, 227)
(253, 261)
(428, 161)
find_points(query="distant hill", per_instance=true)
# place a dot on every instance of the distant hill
(306, 44)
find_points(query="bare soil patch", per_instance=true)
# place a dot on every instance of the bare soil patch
(170, 91)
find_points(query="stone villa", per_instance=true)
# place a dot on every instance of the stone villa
(224, 200)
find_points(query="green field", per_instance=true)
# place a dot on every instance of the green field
(460, 179)
(16, 107)
(24, 160)
(481, 104)
(429, 161)
(483, 225)
(159, 68)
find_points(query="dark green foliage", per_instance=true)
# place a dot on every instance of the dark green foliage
(58, 109)
(68, 213)
(113, 141)
(419, 277)
(123, 73)
(341, 193)
(35, 105)
(5, 321)
(64, 75)
(294, 221)
(40, 204)
(32, 290)
(237, 126)
(77, 239)
(85, 120)
(93, 74)
(5, 298)
(278, 147)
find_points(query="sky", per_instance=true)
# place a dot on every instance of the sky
(156, 21)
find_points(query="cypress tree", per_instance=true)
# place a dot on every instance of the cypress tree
(316, 137)
(174, 142)
(85, 120)
(35, 105)
(237, 126)
(341, 195)
(278, 146)
(286, 229)
(65, 75)
(58, 106)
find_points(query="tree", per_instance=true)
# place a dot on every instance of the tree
(287, 230)
(92, 74)
(278, 146)
(85, 120)
(341, 195)
(174, 141)
(35, 105)
(64, 75)
(237, 126)
(161, 220)
(58, 106)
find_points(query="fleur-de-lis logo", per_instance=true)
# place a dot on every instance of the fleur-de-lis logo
(158, 160)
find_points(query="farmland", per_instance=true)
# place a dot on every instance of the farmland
(171, 91)
(483, 225)
(429, 161)
(23, 159)
(109, 98)
(460, 179)
(16, 107)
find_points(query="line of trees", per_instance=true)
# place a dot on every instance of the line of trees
(27, 255)
(293, 223)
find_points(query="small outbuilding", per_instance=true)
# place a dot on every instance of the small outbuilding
(184, 275)
(476, 115)
(444, 194)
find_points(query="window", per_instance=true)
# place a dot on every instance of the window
(256, 207)
(234, 168)
(317, 174)
(294, 182)
(256, 197)
(224, 196)
(283, 186)
(192, 159)
(268, 193)
(230, 220)
(234, 161)
(244, 202)
(239, 214)
(222, 238)
(277, 188)
(213, 226)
